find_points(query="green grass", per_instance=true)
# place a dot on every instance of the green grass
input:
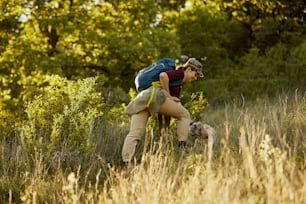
(257, 157)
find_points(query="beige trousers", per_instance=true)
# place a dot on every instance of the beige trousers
(139, 123)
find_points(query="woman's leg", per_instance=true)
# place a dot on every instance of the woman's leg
(137, 129)
(178, 111)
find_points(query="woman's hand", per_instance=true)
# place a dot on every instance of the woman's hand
(175, 99)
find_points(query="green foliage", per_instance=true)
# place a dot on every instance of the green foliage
(266, 34)
(59, 121)
(206, 43)
(247, 55)
(295, 66)
(7, 125)
(196, 105)
(77, 39)
(269, 74)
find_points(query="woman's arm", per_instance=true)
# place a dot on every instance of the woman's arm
(164, 83)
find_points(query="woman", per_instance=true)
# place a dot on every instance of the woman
(158, 99)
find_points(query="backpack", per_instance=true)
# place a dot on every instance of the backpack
(150, 74)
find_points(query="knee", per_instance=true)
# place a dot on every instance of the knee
(185, 114)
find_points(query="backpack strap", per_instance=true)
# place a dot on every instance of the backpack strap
(154, 85)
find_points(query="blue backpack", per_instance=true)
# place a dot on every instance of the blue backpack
(150, 74)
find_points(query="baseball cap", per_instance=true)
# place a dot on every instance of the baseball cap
(194, 63)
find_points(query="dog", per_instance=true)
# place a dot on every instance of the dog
(201, 131)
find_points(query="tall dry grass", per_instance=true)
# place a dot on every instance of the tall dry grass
(257, 157)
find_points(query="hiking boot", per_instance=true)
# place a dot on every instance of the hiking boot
(182, 144)
(124, 164)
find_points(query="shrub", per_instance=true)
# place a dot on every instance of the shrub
(59, 121)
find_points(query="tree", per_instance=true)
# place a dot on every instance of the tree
(76, 39)
(247, 44)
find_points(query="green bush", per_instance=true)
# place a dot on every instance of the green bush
(196, 105)
(60, 120)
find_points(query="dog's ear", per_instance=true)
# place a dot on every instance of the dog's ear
(204, 133)
(191, 122)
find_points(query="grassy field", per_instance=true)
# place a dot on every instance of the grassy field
(258, 156)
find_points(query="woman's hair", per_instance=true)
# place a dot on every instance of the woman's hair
(182, 66)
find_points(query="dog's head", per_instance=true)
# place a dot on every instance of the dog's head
(197, 129)
(200, 130)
